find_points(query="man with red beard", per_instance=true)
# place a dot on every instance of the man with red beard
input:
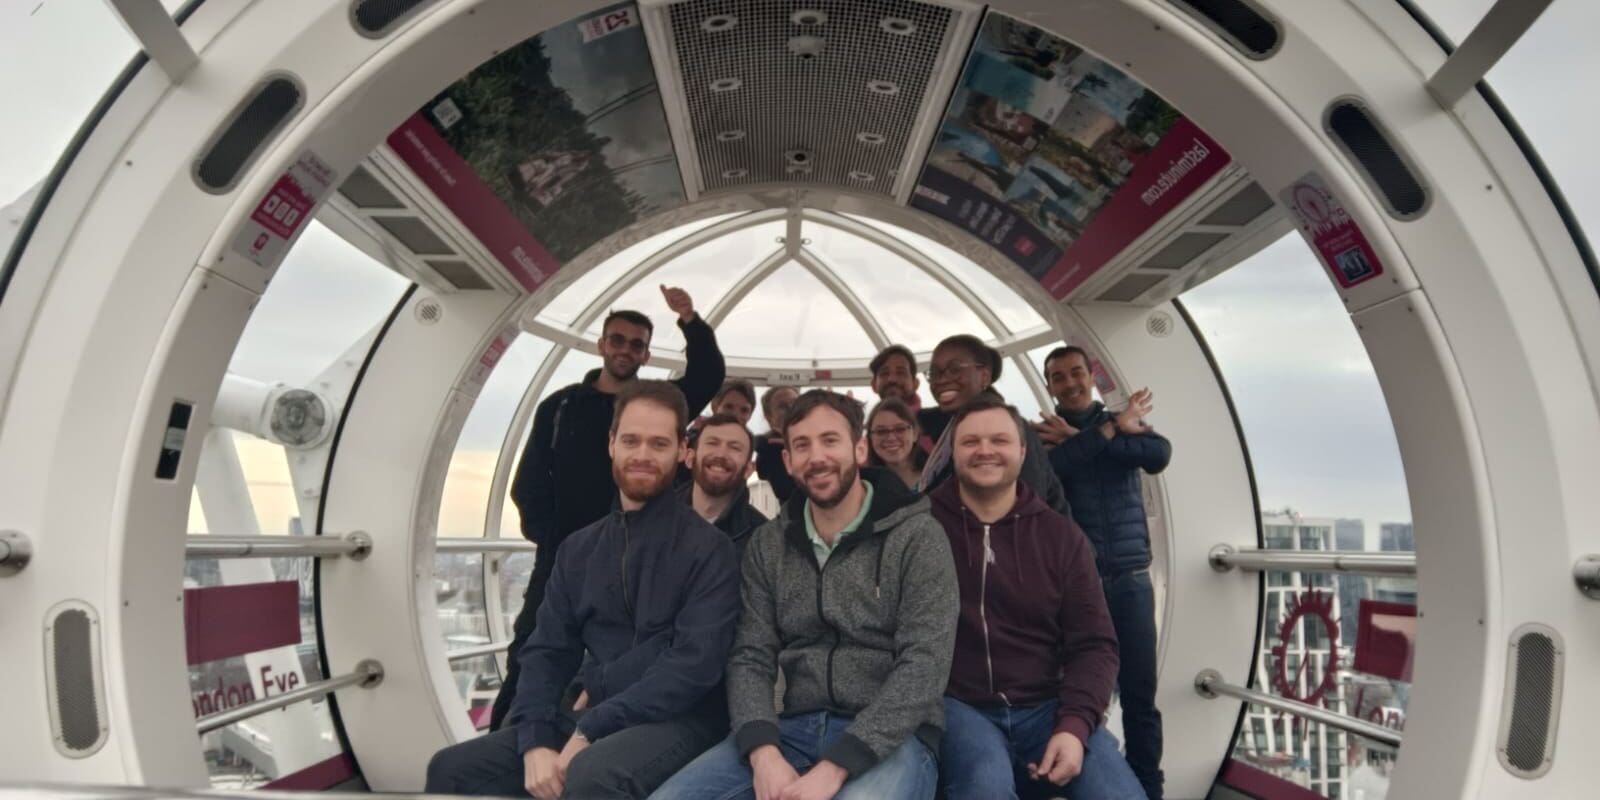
(851, 593)
(651, 592)
(1036, 655)
(564, 479)
(720, 463)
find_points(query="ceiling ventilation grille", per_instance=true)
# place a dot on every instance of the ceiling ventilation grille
(849, 82)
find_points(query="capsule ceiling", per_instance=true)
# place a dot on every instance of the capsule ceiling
(1070, 170)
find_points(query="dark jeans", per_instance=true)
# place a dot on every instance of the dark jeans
(520, 631)
(986, 752)
(630, 763)
(1130, 597)
(909, 773)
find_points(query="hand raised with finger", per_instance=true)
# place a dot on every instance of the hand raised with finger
(679, 301)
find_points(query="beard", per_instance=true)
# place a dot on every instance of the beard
(640, 488)
(847, 479)
(717, 487)
(621, 369)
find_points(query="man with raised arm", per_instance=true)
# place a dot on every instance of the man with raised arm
(851, 593)
(1098, 458)
(651, 593)
(564, 479)
(1035, 654)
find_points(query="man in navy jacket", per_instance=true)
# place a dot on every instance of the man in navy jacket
(564, 479)
(1098, 456)
(651, 593)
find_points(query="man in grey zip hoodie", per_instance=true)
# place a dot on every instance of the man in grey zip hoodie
(852, 593)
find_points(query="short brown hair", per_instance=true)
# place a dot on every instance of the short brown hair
(766, 399)
(739, 385)
(632, 318)
(988, 401)
(662, 393)
(1063, 352)
(725, 419)
(847, 407)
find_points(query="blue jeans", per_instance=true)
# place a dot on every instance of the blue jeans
(721, 773)
(1131, 599)
(987, 750)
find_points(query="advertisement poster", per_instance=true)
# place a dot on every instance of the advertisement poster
(552, 145)
(1056, 158)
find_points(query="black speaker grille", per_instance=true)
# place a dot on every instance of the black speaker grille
(77, 708)
(1388, 172)
(255, 122)
(1243, 25)
(376, 17)
(1531, 705)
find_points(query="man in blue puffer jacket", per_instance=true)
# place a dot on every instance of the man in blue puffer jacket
(1097, 456)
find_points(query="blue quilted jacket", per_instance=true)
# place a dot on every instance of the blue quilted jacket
(1101, 479)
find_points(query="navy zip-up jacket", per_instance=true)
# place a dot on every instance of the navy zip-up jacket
(738, 520)
(653, 596)
(1101, 478)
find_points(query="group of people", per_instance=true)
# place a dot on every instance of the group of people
(941, 606)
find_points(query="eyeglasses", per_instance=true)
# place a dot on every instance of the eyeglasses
(895, 430)
(934, 373)
(618, 341)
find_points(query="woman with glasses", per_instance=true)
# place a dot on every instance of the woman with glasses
(892, 434)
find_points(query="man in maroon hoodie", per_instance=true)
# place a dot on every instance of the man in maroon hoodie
(1036, 655)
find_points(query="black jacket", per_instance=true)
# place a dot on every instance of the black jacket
(769, 465)
(738, 520)
(1102, 480)
(653, 596)
(564, 480)
(1036, 470)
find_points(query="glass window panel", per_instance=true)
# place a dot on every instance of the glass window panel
(563, 309)
(912, 307)
(792, 315)
(466, 490)
(1017, 314)
(325, 296)
(56, 60)
(707, 273)
(260, 750)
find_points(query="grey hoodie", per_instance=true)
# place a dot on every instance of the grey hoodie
(870, 635)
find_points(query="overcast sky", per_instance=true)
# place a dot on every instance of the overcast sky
(1312, 409)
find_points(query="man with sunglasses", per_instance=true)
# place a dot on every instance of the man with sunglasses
(564, 479)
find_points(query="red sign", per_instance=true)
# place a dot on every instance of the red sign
(1386, 635)
(225, 621)
(284, 209)
(1317, 605)
(472, 201)
(1328, 228)
(1166, 176)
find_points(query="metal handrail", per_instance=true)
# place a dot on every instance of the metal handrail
(477, 651)
(354, 545)
(483, 546)
(1226, 557)
(1209, 684)
(368, 674)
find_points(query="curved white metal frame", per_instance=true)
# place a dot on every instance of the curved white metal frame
(129, 296)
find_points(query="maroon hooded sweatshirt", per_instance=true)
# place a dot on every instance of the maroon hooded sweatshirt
(1033, 624)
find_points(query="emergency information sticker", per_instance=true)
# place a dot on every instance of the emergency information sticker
(1330, 231)
(284, 209)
